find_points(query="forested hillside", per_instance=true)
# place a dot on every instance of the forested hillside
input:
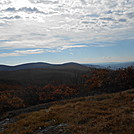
(96, 81)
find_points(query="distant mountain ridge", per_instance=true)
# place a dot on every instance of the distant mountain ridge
(112, 65)
(69, 65)
(42, 73)
(42, 65)
(117, 65)
(93, 66)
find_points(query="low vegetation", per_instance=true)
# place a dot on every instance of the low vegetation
(94, 102)
(102, 114)
(97, 81)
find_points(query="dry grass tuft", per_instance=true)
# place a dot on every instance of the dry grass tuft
(104, 114)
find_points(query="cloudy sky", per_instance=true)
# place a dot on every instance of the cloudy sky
(57, 31)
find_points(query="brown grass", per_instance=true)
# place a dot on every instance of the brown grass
(103, 114)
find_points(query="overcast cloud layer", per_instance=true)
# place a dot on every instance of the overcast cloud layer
(37, 26)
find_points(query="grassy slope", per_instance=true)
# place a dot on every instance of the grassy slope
(103, 114)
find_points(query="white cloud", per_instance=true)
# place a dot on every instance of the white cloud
(22, 52)
(9, 54)
(79, 21)
(34, 51)
(74, 46)
(38, 51)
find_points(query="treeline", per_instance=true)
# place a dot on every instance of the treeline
(94, 82)
(106, 80)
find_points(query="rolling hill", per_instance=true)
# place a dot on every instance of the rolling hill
(41, 73)
(41, 65)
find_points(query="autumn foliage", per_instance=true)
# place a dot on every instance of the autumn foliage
(109, 80)
(96, 81)
(102, 114)
(9, 102)
(51, 92)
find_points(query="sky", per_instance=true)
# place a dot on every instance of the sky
(59, 31)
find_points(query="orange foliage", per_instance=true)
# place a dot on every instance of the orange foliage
(9, 102)
(112, 80)
(51, 92)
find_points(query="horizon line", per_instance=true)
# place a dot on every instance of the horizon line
(66, 62)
